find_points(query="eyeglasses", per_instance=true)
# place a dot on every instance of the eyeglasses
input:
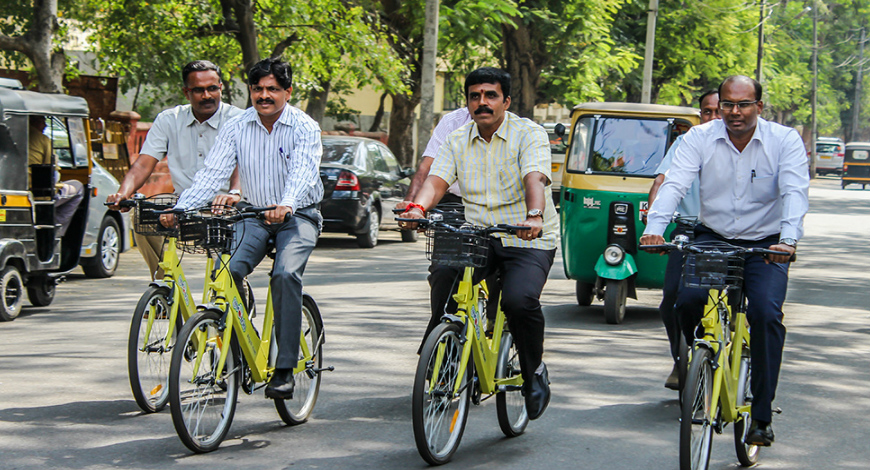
(200, 90)
(729, 105)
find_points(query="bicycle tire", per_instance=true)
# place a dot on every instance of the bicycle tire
(697, 413)
(682, 364)
(297, 410)
(747, 454)
(430, 411)
(510, 404)
(202, 412)
(147, 359)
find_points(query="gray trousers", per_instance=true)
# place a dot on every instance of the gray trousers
(66, 202)
(294, 241)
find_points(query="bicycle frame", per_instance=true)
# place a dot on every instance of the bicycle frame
(727, 351)
(477, 346)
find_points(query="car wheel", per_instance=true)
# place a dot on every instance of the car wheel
(369, 238)
(108, 250)
(410, 236)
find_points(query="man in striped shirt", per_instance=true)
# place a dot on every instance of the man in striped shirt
(277, 149)
(502, 163)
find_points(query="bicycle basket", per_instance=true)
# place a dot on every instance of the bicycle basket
(452, 213)
(147, 218)
(201, 231)
(713, 270)
(466, 248)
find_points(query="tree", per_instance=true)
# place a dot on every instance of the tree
(33, 36)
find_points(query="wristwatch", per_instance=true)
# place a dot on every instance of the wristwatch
(788, 241)
(234, 192)
(536, 213)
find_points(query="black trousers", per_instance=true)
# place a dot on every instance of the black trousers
(523, 273)
(673, 273)
(765, 286)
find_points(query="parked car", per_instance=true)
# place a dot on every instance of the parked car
(362, 181)
(558, 149)
(829, 155)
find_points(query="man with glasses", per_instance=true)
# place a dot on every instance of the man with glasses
(184, 134)
(688, 207)
(754, 183)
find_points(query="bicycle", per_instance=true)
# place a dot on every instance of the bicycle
(460, 362)
(161, 310)
(221, 350)
(717, 388)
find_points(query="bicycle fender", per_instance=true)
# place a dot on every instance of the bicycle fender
(619, 272)
(160, 284)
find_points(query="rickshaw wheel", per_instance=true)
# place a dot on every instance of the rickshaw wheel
(40, 291)
(615, 294)
(11, 293)
(585, 293)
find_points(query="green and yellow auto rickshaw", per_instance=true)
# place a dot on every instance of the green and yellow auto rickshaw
(613, 153)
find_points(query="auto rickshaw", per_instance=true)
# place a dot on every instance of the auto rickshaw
(33, 255)
(856, 165)
(613, 153)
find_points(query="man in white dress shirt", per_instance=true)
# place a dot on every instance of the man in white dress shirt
(183, 134)
(277, 149)
(753, 186)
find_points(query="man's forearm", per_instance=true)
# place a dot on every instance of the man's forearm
(419, 178)
(137, 175)
(431, 191)
(535, 184)
(235, 180)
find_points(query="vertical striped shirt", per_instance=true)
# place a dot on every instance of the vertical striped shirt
(277, 168)
(490, 175)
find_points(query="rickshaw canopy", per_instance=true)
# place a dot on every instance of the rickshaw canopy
(30, 102)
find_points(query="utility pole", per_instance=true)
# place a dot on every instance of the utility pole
(427, 83)
(758, 74)
(815, 132)
(646, 90)
(856, 108)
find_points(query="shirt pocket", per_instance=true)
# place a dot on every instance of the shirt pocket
(764, 187)
(510, 179)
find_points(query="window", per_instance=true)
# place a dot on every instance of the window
(343, 153)
(860, 154)
(60, 144)
(78, 140)
(377, 159)
(579, 145)
(629, 146)
(389, 159)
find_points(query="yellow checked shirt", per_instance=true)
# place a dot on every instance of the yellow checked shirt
(490, 175)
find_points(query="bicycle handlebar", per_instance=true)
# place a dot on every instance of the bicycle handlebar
(694, 248)
(499, 228)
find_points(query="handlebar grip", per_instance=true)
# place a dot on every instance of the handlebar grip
(399, 211)
(123, 204)
(419, 221)
(513, 229)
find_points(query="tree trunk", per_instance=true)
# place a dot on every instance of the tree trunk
(37, 45)
(519, 56)
(401, 139)
(379, 115)
(316, 107)
(246, 35)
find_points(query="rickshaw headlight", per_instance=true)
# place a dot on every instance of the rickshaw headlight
(613, 255)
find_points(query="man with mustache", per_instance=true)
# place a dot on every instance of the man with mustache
(502, 164)
(277, 150)
(754, 183)
(184, 134)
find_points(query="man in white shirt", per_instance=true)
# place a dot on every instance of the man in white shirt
(277, 150)
(184, 134)
(754, 193)
(449, 123)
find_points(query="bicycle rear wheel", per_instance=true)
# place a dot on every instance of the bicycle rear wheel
(296, 410)
(439, 415)
(509, 402)
(148, 356)
(202, 404)
(747, 454)
(698, 412)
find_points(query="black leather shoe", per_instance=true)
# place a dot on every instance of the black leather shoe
(673, 380)
(537, 394)
(282, 384)
(760, 434)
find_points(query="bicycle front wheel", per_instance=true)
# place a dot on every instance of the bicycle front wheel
(148, 353)
(697, 413)
(296, 410)
(747, 454)
(439, 413)
(509, 402)
(201, 402)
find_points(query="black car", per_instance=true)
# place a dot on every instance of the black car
(362, 181)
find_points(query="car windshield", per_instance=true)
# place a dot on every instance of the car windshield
(827, 148)
(619, 145)
(343, 153)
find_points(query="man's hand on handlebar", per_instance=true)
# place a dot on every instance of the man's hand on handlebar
(787, 250)
(223, 200)
(535, 225)
(413, 213)
(115, 198)
(276, 215)
(653, 240)
(168, 220)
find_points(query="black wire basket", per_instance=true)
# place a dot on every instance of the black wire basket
(202, 231)
(713, 270)
(452, 213)
(466, 248)
(148, 217)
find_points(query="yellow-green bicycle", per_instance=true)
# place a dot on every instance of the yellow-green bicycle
(461, 363)
(219, 350)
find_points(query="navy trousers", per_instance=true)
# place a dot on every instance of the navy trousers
(294, 241)
(673, 272)
(765, 287)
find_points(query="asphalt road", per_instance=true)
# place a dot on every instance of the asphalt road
(65, 399)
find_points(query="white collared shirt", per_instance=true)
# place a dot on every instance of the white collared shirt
(449, 123)
(277, 168)
(748, 195)
(177, 134)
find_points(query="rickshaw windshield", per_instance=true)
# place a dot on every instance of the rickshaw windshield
(625, 146)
